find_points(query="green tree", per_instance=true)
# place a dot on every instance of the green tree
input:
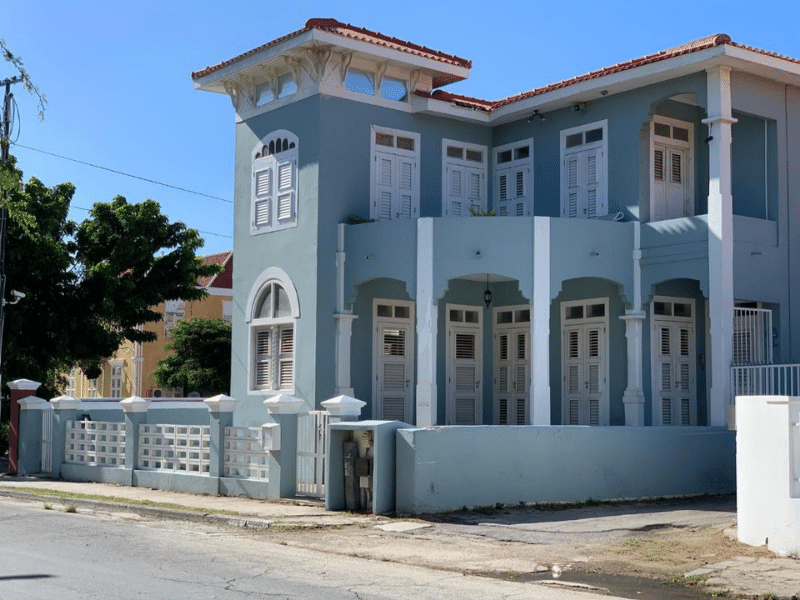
(200, 359)
(88, 286)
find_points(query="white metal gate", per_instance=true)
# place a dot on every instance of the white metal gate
(47, 439)
(312, 431)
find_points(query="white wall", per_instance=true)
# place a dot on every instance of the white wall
(767, 472)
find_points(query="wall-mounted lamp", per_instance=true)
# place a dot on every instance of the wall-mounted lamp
(536, 115)
(579, 107)
(477, 254)
(710, 137)
(487, 295)
(594, 253)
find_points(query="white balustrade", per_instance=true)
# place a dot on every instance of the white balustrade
(177, 448)
(245, 456)
(95, 443)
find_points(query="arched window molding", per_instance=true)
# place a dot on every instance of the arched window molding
(272, 309)
(274, 185)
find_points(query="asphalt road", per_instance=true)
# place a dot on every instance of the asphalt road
(53, 554)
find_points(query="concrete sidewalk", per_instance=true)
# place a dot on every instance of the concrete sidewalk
(530, 530)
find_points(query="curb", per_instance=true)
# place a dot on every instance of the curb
(194, 516)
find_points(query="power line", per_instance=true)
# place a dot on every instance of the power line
(199, 230)
(83, 162)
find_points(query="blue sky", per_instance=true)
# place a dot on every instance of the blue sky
(117, 74)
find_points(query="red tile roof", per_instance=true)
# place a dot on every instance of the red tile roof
(488, 105)
(352, 32)
(221, 280)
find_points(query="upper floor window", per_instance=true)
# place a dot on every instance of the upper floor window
(174, 312)
(671, 179)
(513, 179)
(463, 178)
(584, 171)
(274, 183)
(116, 378)
(394, 174)
(273, 309)
(376, 84)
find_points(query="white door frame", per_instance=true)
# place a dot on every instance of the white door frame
(515, 325)
(393, 321)
(655, 378)
(585, 322)
(453, 328)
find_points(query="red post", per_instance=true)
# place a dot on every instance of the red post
(20, 388)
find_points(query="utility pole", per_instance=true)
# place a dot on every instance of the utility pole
(5, 132)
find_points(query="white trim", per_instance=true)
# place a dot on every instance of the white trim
(400, 155)
(377, 343)
(655, 320)
(477, 328)
(271, 275)
(540, 324)
(214, 291)
(427, 328)
(273, 163)
(448, 163)
(584, 149)
(268, 275)
(671, 143)
(604, 408)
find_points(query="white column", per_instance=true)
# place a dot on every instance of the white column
(720, 242)
(633, 397)
(540, 324)
(344, 323)
(427, 318)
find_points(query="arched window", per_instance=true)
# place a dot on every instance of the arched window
(273, 310)
(274, 185)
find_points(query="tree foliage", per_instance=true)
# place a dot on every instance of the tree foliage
(200, 359)
(88, 286)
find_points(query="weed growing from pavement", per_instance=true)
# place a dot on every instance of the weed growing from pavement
(71, 509)
(48, 506)
(118, 500)
(651, 550)
(690, 580)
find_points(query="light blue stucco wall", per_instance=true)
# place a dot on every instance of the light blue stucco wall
(295, 250)
(445, 468)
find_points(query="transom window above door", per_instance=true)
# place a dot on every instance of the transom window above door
(394, 174)
(463, 178)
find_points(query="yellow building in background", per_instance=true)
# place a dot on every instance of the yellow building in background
(129, 371)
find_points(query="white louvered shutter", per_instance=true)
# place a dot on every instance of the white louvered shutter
(262, 190)
(286, 358)
(286, 190)
(263, 374)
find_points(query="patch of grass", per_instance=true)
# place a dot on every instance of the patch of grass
(118, 500)
(768, 596)
(48, 506)
(690, 581)
(651, 551)
(71, 508)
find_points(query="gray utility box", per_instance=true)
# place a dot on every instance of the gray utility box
(372, 471)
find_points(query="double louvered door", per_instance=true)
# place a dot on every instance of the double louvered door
(674, 377)
(512, 374)
(584, 380)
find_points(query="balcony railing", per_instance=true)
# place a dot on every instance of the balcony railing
(766, 380)
(752, 336)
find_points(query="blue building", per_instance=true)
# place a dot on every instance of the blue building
(618, 248)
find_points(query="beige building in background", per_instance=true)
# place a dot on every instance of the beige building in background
(129, 371)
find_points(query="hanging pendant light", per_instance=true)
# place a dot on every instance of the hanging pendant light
(487, 295)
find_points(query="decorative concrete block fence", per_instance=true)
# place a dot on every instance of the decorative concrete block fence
(186, 446)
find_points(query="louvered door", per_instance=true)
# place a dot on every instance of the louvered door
(674, 376)
(512, 189)
(669, 183)
(464, 365)
(584, 378)
(512, 375)
(394, 371)
(583, 189)
(395, 196)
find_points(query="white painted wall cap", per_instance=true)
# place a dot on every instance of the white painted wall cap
(283, 404)
(65, 403)
(135, 404)
(220, 403)
(32, 403)
(344, 406)
(24, 384)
